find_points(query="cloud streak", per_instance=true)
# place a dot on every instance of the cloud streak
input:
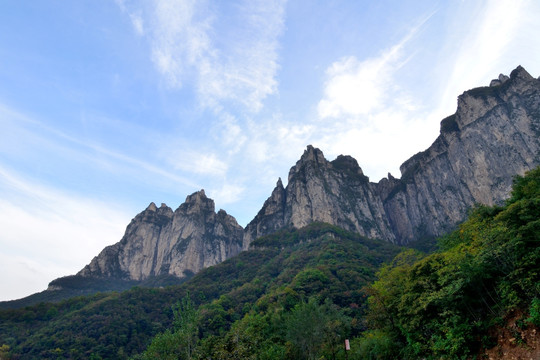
(45, 224)
(192, 42)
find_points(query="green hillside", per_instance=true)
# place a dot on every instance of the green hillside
(298, 294)
(319, 260)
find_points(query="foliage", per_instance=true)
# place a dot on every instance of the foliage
(299, 293)
(178, 343)
(534, 312)
(441, 305)
(253, 290)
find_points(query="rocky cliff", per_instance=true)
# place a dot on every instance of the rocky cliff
(493, 136)
(334, 192)
(159, 242)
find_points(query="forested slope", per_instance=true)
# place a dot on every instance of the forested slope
(298, 294)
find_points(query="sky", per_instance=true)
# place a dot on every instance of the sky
(108, 105)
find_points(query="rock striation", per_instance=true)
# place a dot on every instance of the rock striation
(493, 136)
(161, 242)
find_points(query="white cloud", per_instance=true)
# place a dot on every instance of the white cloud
(57, 232)
(136, 19)
(355, 87)
(367, 113)
(196, 162)
(179, 38)
(232, 58)
(227, 193)
(228, 131)
(137, 23)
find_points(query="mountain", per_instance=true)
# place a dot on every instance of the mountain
(304, 291)
(281, 269)
(493, 136)
(161, 242)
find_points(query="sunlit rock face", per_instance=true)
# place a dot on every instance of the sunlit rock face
(493, 136)
(335, 192)
(159, 241)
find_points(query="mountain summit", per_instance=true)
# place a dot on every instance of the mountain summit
(493, 136)
(160, 242)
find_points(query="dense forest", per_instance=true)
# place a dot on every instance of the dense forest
(298, 294)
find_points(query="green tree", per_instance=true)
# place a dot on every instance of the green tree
(180, 342)
(314, 328)
(4, 352)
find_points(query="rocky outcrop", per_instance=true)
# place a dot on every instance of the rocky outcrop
(160, 242)
(493, 136)
(334, 192)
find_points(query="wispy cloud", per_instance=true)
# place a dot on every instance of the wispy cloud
(192, 43)
(36, 136)
(489, 37)
(367, 113)
(196, 162)
(45, 224)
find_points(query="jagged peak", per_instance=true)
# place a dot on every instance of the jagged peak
(198, 200)
(312, 156)
(279, 183)
(151, 207)
(196, 196)
(520, 73)
(347, 162)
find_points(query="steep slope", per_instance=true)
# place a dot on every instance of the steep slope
(493, 136)
(159, 242)
(334, 192)
(277, 272)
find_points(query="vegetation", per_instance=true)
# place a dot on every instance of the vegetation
(256, 290)
(442, 305)
(300, 293)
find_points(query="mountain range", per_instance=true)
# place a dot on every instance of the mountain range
(492, 137)
(330, 256)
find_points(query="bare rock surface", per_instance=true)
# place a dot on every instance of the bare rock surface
(493, 136)
(159, 241)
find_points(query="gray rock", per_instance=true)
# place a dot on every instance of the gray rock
(503, 78)
(159, 241)
(493, 136)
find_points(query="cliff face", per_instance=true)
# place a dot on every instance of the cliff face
(493, 136)
(159, 241)
(334, 192)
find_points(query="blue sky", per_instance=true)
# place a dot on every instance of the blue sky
(106, 106)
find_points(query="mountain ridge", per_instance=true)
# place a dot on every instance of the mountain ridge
(492, 136)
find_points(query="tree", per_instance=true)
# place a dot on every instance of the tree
(313, 328)
(180, 342)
